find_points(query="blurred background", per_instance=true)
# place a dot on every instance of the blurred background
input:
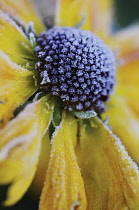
(126, 13)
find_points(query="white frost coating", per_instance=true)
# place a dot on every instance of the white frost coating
(20, 139)
(75, 205)
(127, 165)
(27, 64)
(48, 125)
(45, 78)
(57, 128)
(37, 65)
(31, 35)
(10, 63)
(32, 39)
(86, 115)
(30, 27)
(24, 139)
(11, 22)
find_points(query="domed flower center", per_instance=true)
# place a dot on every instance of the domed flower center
(77, 66)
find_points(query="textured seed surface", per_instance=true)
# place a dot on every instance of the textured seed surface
(77, 66)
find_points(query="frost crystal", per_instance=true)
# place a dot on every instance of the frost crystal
(77, 66)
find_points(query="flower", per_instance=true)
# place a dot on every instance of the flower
(89, 168)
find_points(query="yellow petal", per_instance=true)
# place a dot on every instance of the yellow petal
(20, 142)
(14, 42)
(16, 86)
(125, 124)
(97, 13)
(126, 41)
(63, 188)
(111, 178)
(44, 158)
(39, 178)
(22, 11)
(128, 83)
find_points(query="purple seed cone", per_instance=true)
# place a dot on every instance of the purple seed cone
(77, 66)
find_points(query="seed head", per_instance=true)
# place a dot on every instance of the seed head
(77, 66)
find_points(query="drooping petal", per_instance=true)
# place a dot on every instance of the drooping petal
(63, 188)
(16, 86)
(20, 142)
(111, 177)
(97, 14)
(39, 178)
(44, 158)
(14, 42)
(124, 123)
(40, 174)
(127, 43)
(23, 11)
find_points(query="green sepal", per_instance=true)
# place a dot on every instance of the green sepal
(57, 114)
(51, 130)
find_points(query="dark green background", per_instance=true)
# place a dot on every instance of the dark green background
(126, 12)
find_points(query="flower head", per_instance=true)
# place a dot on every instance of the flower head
(76, 66)
(54, 86)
